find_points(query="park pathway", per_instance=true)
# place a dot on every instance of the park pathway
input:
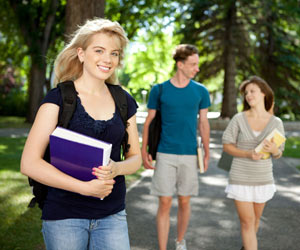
(214, 224)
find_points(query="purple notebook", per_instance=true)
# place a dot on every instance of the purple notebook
(76, 154)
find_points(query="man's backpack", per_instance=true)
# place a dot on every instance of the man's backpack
(69, 95)
(155, 128)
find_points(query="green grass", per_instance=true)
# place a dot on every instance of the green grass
(19, 226)
(13, 122)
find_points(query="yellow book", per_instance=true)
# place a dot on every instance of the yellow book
(200, 157)
(278, 138)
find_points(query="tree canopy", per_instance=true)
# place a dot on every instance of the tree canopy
(242, 38)
(236, 39)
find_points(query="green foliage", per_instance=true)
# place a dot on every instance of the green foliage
(14, 54)
(150, 62)
(135, 15)
(149, 58)
(277, 53)
(31, 19)
(266, 43)
(32, 29)
(19, 226)
(14, 103)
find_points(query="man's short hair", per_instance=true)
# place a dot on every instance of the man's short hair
(183, 51)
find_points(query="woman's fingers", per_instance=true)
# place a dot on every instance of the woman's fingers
(104, 172)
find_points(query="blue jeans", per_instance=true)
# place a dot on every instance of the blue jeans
(109, 233)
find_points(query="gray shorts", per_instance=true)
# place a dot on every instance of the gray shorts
(175, 174)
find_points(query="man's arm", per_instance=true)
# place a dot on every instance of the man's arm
(204, 130)
(147, 158)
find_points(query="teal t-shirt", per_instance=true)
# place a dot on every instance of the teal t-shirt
(179, 109)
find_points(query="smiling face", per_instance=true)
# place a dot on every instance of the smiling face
(101, 57)
(190, 67)
(254, 95)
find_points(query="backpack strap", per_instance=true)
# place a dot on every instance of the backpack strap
(68, 94)
(160, 86)
(120, 99)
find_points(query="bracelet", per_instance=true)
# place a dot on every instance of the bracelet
(278, 154)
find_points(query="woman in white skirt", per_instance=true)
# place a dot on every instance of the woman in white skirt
(251, 182)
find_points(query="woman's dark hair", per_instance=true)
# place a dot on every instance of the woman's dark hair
(264, 87)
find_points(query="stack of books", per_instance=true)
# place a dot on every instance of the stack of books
(200, 156)
(278, 139)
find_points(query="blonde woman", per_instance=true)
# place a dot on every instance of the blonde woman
(251, 181)
(72, 219)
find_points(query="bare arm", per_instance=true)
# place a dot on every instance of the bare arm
(34, 166)
(234, 151)
(204, 130)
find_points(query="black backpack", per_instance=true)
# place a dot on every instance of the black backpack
(155, 128)
(69, 95)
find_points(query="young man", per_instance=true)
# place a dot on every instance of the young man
(182, 99)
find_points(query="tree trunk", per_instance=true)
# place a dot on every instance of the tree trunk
(79, 11)
(37, 37)
(229, 90)
(36, 83)
(268, 67)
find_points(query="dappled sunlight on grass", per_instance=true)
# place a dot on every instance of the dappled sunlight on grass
(3, 148)
(10, 174)
(19, 226)
(8, 146)
(15, 194)
(292, 147)
(13, 122)
(21, 200)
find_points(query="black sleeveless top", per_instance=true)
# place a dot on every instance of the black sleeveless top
(61, 204)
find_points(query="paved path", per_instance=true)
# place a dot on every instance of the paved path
(214, 224)
(13, 132)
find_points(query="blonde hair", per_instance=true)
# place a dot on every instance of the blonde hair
(67, 65)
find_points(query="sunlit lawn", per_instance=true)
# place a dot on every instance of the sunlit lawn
(13, 122)
(19, 226)
(292, 148)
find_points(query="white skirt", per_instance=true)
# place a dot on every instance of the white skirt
(257, 194)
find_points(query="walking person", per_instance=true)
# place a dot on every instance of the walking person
(72, 219)
(251, 181)
(175, 171)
